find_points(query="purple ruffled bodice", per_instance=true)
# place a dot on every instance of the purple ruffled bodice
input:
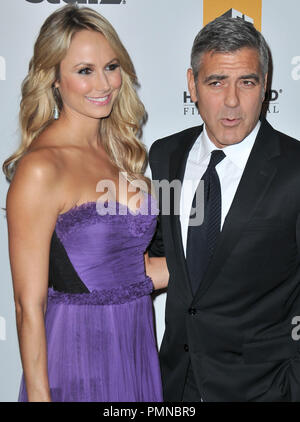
(107, 250)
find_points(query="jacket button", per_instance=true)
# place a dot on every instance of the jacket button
(192, 311)
(186, 348)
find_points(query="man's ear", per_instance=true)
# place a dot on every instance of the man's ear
(192, 85)
(265, 85)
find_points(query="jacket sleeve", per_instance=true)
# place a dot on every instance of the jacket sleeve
(156, 247)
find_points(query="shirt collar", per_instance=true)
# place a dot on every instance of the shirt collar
(238, 154)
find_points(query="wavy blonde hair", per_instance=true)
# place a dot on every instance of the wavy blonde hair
(120, 131)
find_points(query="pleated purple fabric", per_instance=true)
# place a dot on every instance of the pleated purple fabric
(101, 345)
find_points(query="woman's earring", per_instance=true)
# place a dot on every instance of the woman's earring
(55, 112)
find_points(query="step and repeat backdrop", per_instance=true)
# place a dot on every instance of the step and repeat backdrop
(158, 35)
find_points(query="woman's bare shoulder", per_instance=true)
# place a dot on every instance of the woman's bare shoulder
(45, 155)
(42, 162)
(38, 173)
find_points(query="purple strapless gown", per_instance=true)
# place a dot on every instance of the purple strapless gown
(99, 322)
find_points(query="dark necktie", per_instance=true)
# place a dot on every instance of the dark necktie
(202, 238)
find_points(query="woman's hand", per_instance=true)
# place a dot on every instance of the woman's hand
(157, 270)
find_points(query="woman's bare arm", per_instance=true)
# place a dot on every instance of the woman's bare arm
(32, 205)
(157, 270)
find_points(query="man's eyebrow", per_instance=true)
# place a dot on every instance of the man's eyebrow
(215, 77)
(251, 76)
(218, 77)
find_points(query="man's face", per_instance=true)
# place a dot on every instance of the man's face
(230, 91)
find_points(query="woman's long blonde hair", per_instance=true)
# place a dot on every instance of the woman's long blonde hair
(120, 131)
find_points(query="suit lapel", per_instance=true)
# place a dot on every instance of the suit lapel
(257, 176)
(178, 160)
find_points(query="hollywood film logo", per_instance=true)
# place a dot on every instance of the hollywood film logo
(2, 329)
(2, 69)
(296, 69)
(271, 102)
(79, 1)
(233, 13)
(189, 108)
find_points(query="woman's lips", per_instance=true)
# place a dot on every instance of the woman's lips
(99, 100)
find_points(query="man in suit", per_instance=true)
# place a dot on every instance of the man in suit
(234, 286)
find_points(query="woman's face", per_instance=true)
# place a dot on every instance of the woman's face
(90, 76)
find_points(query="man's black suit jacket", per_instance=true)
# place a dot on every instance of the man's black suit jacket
(237, 329)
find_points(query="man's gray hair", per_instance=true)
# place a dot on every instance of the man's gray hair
(227, 35)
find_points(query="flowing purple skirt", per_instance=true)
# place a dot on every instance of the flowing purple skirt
(101, 353)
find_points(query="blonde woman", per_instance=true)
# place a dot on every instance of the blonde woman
(83, 306)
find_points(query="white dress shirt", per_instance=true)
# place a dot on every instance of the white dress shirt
(229, 170)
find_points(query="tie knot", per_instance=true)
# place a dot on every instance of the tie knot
(216, 157)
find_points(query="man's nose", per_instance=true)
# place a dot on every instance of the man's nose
(231, 96)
